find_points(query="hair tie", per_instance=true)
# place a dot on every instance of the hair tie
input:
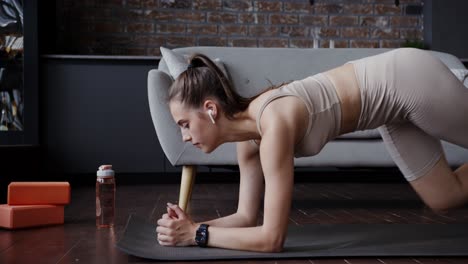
(190, 66)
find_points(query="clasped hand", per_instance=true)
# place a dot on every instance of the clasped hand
(175, 228)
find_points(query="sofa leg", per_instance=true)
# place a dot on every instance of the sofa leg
(186, 185)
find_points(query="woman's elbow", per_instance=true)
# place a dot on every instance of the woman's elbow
(276, 247)
(273, 243)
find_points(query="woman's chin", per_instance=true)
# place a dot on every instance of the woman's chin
(207, 149)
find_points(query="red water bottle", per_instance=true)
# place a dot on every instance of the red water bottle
(105, 197)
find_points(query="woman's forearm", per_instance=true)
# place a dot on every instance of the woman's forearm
(233, 220)
(245, 238)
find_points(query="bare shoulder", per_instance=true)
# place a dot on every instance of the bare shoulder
(286, 117)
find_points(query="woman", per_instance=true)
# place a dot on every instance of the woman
(411, 96)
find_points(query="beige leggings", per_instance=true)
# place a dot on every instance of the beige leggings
(419, 103)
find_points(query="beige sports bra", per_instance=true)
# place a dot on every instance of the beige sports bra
(323, 124)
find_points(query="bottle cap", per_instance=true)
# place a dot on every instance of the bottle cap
(105, 171)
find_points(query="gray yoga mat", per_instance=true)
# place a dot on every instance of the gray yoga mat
(337, 240)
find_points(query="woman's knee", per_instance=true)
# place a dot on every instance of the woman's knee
(443, 205)
(462, 173)
(441, 189)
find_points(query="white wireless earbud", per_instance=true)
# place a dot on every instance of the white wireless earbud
(210, 113)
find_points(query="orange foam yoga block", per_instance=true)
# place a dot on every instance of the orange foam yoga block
(34, 193)
(20, 216)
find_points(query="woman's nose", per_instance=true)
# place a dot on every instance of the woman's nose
(186, 137)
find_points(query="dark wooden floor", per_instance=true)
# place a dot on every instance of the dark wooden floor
(78, 240)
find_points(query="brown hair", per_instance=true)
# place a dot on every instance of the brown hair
(204, 79)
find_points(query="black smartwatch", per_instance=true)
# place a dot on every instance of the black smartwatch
(201, 237)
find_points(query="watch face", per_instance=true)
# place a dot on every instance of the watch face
(201, 236)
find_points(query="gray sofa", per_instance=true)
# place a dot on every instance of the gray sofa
(251, 70)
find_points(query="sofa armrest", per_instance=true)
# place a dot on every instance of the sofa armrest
(168, 133)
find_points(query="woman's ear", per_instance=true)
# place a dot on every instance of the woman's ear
(211, 106)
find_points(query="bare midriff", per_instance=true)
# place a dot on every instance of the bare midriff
(347, 88)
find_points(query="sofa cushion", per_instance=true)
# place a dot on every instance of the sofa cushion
(177, 63)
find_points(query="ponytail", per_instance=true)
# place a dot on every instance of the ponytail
(204, 79)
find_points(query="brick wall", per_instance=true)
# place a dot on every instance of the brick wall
(140, 27)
